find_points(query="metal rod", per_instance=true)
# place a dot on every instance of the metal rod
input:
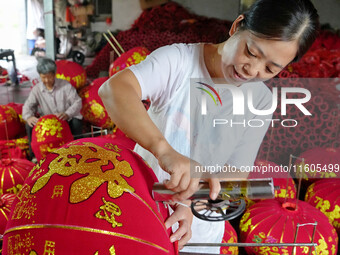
(299, 185)
(295, 238)
(289, 168)
(313, 235)
(250, 244)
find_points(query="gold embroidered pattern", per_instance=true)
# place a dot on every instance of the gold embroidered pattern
(48, 127)
(14, 189)
(26, 207)
(36, 167)
(108, 211)
(98, 166)
(17, 243)
(90, 230)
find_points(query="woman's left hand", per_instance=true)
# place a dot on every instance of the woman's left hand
(183, 216)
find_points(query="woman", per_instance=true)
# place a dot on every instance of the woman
(262, 42)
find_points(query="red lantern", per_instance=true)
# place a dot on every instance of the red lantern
(13, 174)
(274, 221)
(230, 236)
(319, 163)
(93, 194)
(325, 196)
(10, 125)
(93, 109)
(6, 201)
(268, 169)
(129, 58)
(72, 72)
(49, 134)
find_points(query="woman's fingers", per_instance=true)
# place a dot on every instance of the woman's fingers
(215, 187)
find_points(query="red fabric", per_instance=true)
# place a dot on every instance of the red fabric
(72, 72)
(16, 148)
(49, 134)
(325, 196)
(10, 120)
(13, 174)
(93, 109)
(230, 236)
(272, 221)
(6, 201)
(319, 163)
(129, 58)
(94, 194)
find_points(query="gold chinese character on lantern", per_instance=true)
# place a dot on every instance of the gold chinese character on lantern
(58, 191)
(88, 159)
(108, 211)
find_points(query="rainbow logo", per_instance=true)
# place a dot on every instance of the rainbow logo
(209, 93)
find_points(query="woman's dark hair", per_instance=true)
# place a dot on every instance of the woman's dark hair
(46, 65)
(284, 20)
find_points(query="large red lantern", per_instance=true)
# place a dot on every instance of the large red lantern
(72, 72)
(49, 134)
(283, 182)
(13, 174)
(6, 201)
(10, 124)
(92, 196)
(129, 58)
(325, 196)
(274, 221)
(319, 163)
(230, 236)
(93, 109)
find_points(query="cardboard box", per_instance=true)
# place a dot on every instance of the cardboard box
(146, 4)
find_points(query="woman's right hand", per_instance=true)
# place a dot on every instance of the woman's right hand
(181, 182)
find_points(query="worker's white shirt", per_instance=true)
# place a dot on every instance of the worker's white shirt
(164, 77)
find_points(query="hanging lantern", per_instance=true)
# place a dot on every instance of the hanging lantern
(93, 194)
(6, 201)
(13, 174)
(10, 125)
(129, 58)
(268, 169)
(274, 221)
(318, 163)
(93, 109)
(230, 236)
(72, 72)
(325, 196)
(49, 134)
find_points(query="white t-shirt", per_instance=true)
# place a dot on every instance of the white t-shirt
(166, 77)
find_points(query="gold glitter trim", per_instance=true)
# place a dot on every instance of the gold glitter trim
(85, 229)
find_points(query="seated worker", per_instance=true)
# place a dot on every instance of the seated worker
(54, 96)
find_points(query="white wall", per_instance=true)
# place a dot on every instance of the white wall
(125, 12)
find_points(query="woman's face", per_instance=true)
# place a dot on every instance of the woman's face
(246, 57)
